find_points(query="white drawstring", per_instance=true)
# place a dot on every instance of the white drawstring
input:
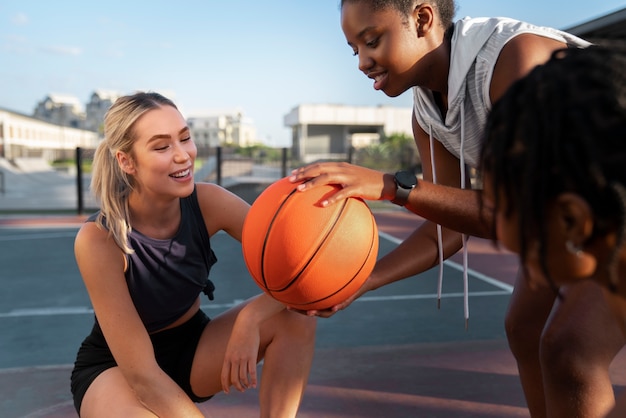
(439, 233)
(463, 236)
(439, 236)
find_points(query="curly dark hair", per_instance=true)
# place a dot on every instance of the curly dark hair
(446, 8)
(562, 128)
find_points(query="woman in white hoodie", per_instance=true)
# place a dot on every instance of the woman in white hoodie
(457, 71)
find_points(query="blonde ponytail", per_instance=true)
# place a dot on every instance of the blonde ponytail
(110, 184)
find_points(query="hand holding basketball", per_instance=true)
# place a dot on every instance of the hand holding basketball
(307, 256)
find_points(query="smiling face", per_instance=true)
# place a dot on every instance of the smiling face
(387, 44)
(163, 154)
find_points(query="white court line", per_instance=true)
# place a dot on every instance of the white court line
(45, 235)
(82, 310)
(480, 276)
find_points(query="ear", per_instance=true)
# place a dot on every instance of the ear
(575, 223)
(125, 162)
(423, 16)
(575, 217)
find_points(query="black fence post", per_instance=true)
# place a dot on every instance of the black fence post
(284, 163)
(79, 180)
(218, 169)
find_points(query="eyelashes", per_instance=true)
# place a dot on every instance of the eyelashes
(371, 45)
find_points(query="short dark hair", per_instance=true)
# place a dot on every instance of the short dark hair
(445, 8)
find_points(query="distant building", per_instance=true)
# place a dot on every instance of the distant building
(215, 128)
(25, 136)
(324, 131)
(60, 110)
(611, 26)
(99, 103)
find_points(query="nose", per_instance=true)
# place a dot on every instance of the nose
(365, 63)
(181, 153)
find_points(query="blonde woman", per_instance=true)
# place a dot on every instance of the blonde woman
(145, 259)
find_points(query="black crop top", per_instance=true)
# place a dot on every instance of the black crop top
(165, 277)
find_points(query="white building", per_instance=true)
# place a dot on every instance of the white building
(25, 136)
(99, 103)
(60, 109)
(222, 127)
(324, 131)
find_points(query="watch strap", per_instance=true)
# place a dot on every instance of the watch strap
(402, 196)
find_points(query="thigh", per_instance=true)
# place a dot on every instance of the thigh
(109, 395)
(209, 358)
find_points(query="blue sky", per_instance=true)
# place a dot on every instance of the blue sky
(263, 57)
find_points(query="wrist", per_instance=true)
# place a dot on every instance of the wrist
(389, 187)
(405, 182)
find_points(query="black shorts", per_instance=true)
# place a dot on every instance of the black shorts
(174, 349)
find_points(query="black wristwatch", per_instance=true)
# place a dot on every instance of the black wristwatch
(405, 182)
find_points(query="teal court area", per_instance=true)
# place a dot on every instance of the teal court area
(391, 354)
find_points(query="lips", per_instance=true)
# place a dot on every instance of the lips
(181, 173)
(379, 79)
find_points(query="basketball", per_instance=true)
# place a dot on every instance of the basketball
(304, 255)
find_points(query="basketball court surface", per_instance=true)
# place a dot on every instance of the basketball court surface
(391, 354)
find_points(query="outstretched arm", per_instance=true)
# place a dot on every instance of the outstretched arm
(444, 203)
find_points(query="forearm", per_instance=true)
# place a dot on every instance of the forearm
(416, 254)
(451, 207)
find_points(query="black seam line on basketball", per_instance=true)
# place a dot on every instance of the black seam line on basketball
(322, 241)
(372, 240)
(269, 228)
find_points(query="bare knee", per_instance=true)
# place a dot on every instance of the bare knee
(289, 329)
(526, 317)
(523, 333)
(569, 354)
(299, 326)
(561, 352)
(110, 395)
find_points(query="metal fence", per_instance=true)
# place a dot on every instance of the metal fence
(31, 185)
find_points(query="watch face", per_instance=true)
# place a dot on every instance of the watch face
(406, 179)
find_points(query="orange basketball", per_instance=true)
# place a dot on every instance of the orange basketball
(305, 255)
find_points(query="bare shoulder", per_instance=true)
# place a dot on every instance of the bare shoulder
(90, 234)
(518, 57)
(221, 209)
(95, 249)
(212, 196)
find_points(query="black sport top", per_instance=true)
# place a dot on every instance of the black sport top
(165, 277)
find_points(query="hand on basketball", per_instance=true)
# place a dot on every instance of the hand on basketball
(327, 313)
(355, 181)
